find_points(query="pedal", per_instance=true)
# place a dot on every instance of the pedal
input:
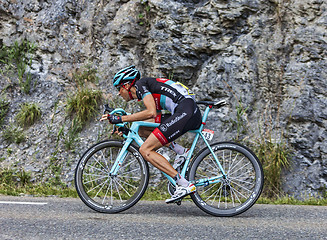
(177, 201)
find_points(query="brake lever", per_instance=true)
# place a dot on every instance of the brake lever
(107, 109)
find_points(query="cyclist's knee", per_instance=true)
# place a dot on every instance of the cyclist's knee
(145, 151)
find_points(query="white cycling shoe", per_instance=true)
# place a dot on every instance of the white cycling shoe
(181, 192)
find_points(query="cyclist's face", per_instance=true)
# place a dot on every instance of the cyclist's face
(124, 93)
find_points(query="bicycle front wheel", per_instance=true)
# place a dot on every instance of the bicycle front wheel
(230, 195)
(106, 192)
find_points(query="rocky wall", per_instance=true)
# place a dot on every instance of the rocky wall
(265, 57)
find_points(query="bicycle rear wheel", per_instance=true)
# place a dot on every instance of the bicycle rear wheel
(234, 194)
(107, 193)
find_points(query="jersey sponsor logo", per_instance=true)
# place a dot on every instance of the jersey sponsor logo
(163, 128)
(168, 90)
(176, 119)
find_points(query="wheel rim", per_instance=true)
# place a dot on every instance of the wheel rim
(234, 192)
(107, 191)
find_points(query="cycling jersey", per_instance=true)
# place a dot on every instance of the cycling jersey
(166, 93)
(176, 98)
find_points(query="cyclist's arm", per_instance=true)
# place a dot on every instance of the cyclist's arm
(149, 113)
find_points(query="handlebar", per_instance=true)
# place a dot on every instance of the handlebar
(111, 111)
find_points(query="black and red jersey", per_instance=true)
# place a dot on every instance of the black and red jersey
(167, 94)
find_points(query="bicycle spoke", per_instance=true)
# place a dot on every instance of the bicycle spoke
(99, 163)
(214, 162)
(125, 173)
(129, 162)
(240, 193)
(104, 198)
(111, 194)
(101, 188)
(123, 188)
(100, 170)
(242, 181)
(233, 166)
(239, 169)
(117, 190)
(203, 193)
(213, 200)
(248, 190)
(96, 179)
(233, 190)
(106, 162)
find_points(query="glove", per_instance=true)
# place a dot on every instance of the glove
(114, 119)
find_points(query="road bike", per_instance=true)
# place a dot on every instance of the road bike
(112, 175)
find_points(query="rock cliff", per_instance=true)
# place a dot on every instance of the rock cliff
(268, 58)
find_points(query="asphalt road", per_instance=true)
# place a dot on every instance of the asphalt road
(63, 218)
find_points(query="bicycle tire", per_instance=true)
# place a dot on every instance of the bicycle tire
(242, 186)
(111, 194)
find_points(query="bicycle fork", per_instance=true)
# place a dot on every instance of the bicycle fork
(120, 158)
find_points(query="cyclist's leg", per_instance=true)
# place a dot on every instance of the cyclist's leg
(148, 151)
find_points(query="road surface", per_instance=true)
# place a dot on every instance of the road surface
(67, 218)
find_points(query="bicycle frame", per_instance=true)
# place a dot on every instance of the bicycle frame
(133, 136)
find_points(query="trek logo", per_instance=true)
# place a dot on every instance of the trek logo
(168, 90)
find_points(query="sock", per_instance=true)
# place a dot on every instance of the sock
(181, 181)
(177, 148)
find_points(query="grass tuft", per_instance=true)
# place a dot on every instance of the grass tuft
(13, 134)
(4, 108)
(83, 105)
(28, 114)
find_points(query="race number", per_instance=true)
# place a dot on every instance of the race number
(208, 134)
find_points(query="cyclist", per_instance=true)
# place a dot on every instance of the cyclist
(158, 94)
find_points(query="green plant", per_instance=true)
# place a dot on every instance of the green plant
(50, 126)
(9, 151)
(17, 181)
(28, 114)
(15, 177)
(274, 157)
(4, 108)
(83, 104)
(240, 122)
(72, 134)
(13, 134)
(143, 16)
(19, 55)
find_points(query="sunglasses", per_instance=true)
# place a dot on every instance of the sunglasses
(121, 85)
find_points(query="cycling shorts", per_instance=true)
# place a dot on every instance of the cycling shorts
(186, 117)
(161, 117)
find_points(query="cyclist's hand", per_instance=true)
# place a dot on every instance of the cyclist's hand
(115, 131)
(114, 119)
(104, 117)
